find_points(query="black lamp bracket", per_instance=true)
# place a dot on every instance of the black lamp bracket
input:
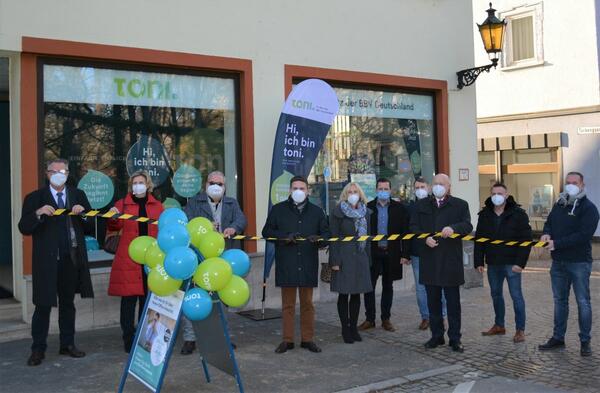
(469, 76)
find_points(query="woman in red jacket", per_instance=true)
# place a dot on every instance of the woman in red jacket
(127, 278)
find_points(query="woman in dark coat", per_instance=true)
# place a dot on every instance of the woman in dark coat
(127, 278)
(350, 261)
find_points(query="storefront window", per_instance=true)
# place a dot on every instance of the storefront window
(376, 134)
(109, 123)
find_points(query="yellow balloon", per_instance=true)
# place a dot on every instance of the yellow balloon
(160, 283)
(213, 274)
(138, 248)
(211, 245)
(198, 227)
(236, 293)
(154, 256)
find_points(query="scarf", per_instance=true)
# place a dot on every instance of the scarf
(359, 217)
(564, 200)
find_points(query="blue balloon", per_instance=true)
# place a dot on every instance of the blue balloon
(170, 216)
(147, 269)
(172, 236)
(239, 261)
(181, 263)
(197, 304)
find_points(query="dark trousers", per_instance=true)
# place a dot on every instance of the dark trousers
(434, 303)
(128, 304)
(348, 308)
(66, 286)
(381, 267)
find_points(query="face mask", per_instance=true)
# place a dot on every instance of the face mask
(498, 200)
(58, 179)
(572, 189)
(383, 195)
(421, 193)
(214, 191)
(439, 191)
(298, 196)
(138, 188)
(353, 199)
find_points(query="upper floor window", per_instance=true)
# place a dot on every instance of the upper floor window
(523, 45)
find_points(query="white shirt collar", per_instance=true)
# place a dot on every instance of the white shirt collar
(54, 192)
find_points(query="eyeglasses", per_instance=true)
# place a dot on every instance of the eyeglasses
(52, 172)
(212, 183)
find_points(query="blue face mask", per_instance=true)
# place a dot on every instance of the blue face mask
(383, 195)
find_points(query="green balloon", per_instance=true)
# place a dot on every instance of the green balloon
(236, 293)
(211, 245)
(138, 248)
(198, 227)
(154, 256)
(160, 283)
(213, 274)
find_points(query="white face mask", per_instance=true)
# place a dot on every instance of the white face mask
(353, 199)
(497, 199)
(214, 191)
(139, 188)
(572, 189)
(58, 179)
(439, 191)
(298, 196)
(421, 193)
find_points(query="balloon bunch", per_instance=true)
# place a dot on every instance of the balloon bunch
(170, 259)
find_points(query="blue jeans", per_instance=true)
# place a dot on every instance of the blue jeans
(563, 275)
(496, 275)
(422, 293)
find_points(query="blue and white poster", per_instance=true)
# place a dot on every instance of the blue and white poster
(303, 125)
(149, 359)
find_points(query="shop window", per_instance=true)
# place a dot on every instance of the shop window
(376, 134)
(110, 122)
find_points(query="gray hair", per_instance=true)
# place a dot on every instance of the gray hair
(216, 173)
(57, 161)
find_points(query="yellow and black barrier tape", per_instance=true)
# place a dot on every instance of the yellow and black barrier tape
(374, 238)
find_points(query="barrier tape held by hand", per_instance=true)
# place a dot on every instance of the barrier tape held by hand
(374, 238)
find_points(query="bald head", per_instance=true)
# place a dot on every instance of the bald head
(441, 180)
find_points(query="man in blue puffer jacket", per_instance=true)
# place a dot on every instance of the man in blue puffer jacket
(568, 231)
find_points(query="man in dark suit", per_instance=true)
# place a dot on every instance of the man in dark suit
(389, 217)
(442, 257)
(59, 262)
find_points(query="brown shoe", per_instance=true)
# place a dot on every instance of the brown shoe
(519, 336)
(387, 325)
(494, 331)
(366, 325)
(36, 358)
(424, 325)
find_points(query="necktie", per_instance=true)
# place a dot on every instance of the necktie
(60, 203)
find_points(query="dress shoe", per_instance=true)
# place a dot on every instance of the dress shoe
(72, 351)
(424, 325)
(434, 342)
(586, 349)
(311, 346)
(494, 331)
(551, 344)
(519, 336)
(387, 325)
(456, 346)
(284, 347)
(366, 325)
(346, 335)
(35, 359)
(127, 344)
(188, 347)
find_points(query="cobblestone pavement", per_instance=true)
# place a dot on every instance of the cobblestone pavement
(486, 357)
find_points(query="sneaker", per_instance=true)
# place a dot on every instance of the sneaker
(519, 336)
(366, 325)
(494, 331)
(551, 344)
(586, 349)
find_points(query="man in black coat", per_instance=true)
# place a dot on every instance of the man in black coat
(297, 261)
(442, 257)
(389, 217)
(59, 262)
(503, 219)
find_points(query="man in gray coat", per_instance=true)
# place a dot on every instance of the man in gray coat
(227, 218)
(442, 257)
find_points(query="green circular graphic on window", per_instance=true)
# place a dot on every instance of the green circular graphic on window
(187, 181)
(149, 155)
(98, 188)
(171, 202)
(280, 189)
